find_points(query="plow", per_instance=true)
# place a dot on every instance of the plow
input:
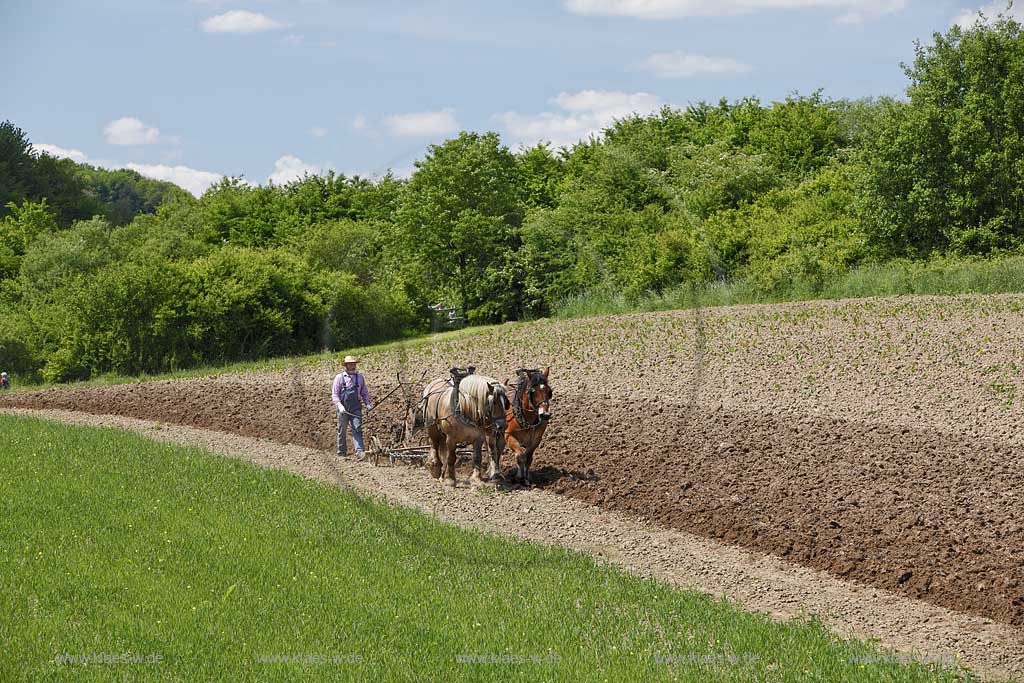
(398, 444)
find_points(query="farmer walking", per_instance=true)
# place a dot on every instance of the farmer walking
(349, 394)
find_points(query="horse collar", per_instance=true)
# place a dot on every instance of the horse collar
(459, 374)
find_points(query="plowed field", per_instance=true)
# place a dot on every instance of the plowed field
(878, 440)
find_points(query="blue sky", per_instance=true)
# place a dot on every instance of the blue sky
(189, 90)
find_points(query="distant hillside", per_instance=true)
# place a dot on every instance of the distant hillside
(74, 191)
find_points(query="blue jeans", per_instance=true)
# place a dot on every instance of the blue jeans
(356, 422)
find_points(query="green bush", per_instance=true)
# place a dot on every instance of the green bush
(235, 304)
(808, 234)
(357, 316)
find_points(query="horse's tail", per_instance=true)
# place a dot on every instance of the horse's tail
(424, 412)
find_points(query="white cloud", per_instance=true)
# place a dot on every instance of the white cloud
(583, 114)
(239, 21)
(61, 153)
(967, 18)
(402, 172)
(318, 132)
(682, 65)
(293, 39)
(422, 124)
(678, 9)
(196, 182)
(870, 11)
(607, 103)
(130, 131)
(289, 168)
(363, 126)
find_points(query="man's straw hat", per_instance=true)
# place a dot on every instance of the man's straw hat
(351, 359)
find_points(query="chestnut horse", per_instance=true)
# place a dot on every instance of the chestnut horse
(527, 418)
(475, 416)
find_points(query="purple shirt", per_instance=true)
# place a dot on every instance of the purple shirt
(343, 381)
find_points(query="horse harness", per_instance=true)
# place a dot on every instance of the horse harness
(459, 374)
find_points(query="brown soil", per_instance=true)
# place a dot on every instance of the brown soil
(878, 440)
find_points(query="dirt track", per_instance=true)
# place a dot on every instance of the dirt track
(876, 440)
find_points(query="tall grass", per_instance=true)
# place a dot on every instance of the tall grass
(940, 276)
(124, 559)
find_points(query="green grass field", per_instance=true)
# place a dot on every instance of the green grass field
(125, 559)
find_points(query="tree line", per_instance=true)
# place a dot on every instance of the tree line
(106, 271)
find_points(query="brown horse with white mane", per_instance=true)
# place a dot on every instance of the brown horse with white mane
(467, 409)
(527, 418)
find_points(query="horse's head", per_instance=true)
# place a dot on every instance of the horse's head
(498, 404)
(536, 392)
(497, 421)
